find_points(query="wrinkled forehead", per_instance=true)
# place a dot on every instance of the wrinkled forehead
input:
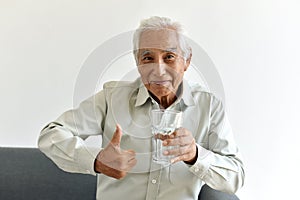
(159, 39)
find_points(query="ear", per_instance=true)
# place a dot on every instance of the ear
(188, 61)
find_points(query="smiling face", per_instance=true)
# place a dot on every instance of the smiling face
(160, 62)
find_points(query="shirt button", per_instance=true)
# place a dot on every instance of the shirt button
(196, 169)
(153, 181)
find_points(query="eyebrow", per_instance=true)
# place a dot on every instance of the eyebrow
(173, 50)
(145, 52)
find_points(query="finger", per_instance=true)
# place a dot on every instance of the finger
(178, 141)
(172, 142)
(178, 151)
(129, 165)
(132, 162)
(129, 154)
(116, 139)
(162, 136)
(185, 154)
(130, 151)
(180, 158)
(180, 132)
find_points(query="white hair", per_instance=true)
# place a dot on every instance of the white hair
(158, 23)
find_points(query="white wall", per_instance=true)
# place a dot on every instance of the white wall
(254, 44)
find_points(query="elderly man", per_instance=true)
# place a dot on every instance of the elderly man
(204, 148)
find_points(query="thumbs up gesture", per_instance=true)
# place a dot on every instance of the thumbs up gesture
(112, 160)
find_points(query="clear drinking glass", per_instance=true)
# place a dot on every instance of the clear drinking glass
(164, 123)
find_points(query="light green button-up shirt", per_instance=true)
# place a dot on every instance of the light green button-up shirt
(129, 104)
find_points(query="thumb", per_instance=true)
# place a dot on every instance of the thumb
(116, 139)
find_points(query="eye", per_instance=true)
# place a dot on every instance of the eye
(147, 58)
(170, 57)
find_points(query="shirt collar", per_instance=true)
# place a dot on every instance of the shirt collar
(143, 95)
(187, 94)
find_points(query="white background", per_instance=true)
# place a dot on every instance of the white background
(254, 45)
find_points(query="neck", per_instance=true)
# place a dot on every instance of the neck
(165, 101)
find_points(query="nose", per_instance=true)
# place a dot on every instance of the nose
(160, 68)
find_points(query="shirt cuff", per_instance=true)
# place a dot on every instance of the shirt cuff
(86, 157)
(203, 162)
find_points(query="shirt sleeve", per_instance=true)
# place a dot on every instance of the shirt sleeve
(220, 165)
(64, 140)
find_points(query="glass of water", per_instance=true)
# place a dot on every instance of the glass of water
(164, 123)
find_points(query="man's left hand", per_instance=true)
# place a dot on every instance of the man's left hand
(186, 149)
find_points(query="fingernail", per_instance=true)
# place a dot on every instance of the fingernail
(166, 152)
(165, 143)
(172, 161)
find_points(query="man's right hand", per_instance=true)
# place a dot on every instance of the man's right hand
(112, 160)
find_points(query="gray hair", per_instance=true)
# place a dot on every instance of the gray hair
(158, 23)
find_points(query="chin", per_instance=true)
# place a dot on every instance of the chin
(161, 93)
(162, 90)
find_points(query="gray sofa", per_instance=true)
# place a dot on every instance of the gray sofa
(26, 173)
